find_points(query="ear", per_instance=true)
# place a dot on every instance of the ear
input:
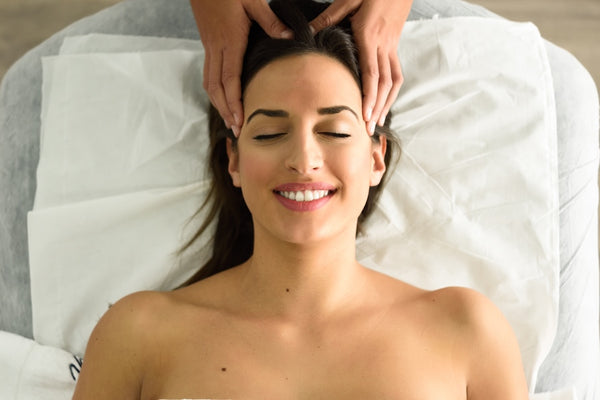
(234, 164)
(378, 161)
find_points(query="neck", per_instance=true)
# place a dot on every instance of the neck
(301, 280)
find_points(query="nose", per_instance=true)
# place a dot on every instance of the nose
(305, 154)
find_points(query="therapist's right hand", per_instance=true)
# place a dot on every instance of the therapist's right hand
(224, 26)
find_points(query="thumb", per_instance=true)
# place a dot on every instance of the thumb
(331, 15)
(260, 12)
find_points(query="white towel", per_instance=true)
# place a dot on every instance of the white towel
(30, 371)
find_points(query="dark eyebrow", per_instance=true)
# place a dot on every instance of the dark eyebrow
(268, 113)
(335, 110)
(284, 114)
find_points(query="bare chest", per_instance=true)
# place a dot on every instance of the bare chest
(346, 365)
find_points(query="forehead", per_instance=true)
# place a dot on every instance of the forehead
(309, 79)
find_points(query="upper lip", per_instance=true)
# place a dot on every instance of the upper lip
(295, 187)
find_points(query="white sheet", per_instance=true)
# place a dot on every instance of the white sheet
(472, 202)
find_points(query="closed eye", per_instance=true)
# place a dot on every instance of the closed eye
(270, 136)
(335, 134)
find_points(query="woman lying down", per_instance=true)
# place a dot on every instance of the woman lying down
(283, 310)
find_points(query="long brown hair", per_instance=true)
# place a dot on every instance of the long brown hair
(233, 239)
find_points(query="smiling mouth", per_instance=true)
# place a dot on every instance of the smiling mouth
(305, 195)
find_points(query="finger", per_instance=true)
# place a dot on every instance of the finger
(370, 77)
(232, 70)
(210, 76)
(383, 88)
(214, 88)
(260, 12)
(333, 14)
(206, 70)
(397, 80)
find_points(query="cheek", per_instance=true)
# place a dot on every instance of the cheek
(255, 171)
(362, 160)
(355, 167)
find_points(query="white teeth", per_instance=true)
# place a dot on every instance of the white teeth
(305, 195)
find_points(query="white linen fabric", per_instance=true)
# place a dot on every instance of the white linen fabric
(120, 174)
(471, 202)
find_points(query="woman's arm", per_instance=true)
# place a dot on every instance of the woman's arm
(112, 366)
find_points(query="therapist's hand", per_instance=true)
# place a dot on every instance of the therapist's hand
(376, 26)
(224, 26)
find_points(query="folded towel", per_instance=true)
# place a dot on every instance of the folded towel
(30, 371)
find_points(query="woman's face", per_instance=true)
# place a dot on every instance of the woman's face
(304, 160)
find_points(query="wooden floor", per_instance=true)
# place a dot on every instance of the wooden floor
(26, 23)
(571, 24)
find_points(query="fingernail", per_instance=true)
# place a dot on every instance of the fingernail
(312, 30)
(236, 130)
(287, 34)
(382, 120)
(236, 119)
(372, 127)
(369, 113)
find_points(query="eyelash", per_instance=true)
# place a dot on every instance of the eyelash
(336, 134)
(277, 135)
(268, 136)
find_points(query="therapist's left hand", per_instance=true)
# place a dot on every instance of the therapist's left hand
(376, 26)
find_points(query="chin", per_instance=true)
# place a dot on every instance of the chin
(310, 236)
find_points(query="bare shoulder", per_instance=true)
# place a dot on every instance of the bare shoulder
(464, 307)
(494, 368)
(119, 346)
(141, 338)
(459, 306)
(135, 315)
(453, 310)
(461, 332)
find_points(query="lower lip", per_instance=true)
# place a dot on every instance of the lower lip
(303, 205)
